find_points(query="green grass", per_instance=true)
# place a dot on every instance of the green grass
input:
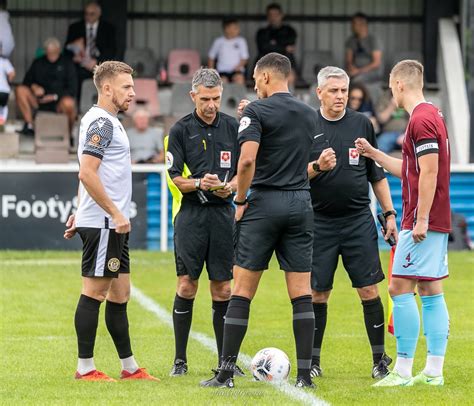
(39, 292)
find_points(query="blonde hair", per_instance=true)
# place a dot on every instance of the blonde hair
(109, 69)
(410, 72)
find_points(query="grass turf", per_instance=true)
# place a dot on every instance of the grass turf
(39, 292)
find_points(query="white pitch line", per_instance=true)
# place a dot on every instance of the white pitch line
(163, 315)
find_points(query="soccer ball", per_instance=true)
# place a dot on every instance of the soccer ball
(270, 364)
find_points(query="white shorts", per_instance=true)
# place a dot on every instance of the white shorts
(426, 260)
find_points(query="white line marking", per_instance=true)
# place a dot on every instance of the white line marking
(289, 390)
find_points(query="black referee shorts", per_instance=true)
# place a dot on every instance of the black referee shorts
(203, 234)
(353, 237)
(104, 252)
(279, 221)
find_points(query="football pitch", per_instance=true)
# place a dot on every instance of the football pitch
(39, 293)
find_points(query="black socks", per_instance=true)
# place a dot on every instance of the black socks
(117, 323)
(320, 319)
(235, 327)
(85, 321)
(182, 317)
(303, 329)
(374, 324)
(219, 309)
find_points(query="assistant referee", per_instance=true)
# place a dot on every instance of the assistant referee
(343, 223)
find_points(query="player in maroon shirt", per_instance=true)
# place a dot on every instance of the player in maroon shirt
(421, 255)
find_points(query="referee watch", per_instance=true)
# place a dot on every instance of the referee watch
(390, 213)
(197, 183)
(317, 168)
(240, 203)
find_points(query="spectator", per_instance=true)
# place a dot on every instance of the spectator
(90, 41)
(359, 100)
(146, 143)
(277, 37)
(7, 42)
(363, 52)
(49, 85)
(7, 73)
(231, 52)
(393, 121)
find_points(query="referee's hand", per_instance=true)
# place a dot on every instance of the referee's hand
(71, 227)
(327, 159)
(122, 224)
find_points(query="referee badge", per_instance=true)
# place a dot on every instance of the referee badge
(353, 156)
(225, 159)
(113, 265)
(244, 123)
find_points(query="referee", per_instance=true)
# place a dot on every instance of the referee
(202, 155)
(275, 134)
(343, 222)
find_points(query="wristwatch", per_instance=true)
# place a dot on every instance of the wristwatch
(240, 203)
(197, 184)
(316, 167)
(389, 213)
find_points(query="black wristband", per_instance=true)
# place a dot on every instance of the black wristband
(389, 213)
(237, 203)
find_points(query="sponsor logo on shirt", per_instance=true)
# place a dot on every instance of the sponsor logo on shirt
(95, 139)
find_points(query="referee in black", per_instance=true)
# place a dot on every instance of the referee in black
(205, 144)
(343, 222)
(275, 134)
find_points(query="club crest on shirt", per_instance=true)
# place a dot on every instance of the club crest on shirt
(225, 159)
(113, 265)
(244, 123)
(353, 156)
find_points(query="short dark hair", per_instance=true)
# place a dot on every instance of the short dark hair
(360, 15)
(276, 62)
(228, 21)
(274, 6)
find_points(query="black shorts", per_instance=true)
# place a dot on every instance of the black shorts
(355, 239)
(279, 221)
(203, 235)
(104, 252)
(4, 99)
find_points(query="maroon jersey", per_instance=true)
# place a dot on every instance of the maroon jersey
(426, 134)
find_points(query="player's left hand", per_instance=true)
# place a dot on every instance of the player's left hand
(391, 229)
(71, 227)
(420, 231)
(225, 192)
(239, 211)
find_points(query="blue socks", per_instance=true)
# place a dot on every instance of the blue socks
(435, 324)
(406, 320)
